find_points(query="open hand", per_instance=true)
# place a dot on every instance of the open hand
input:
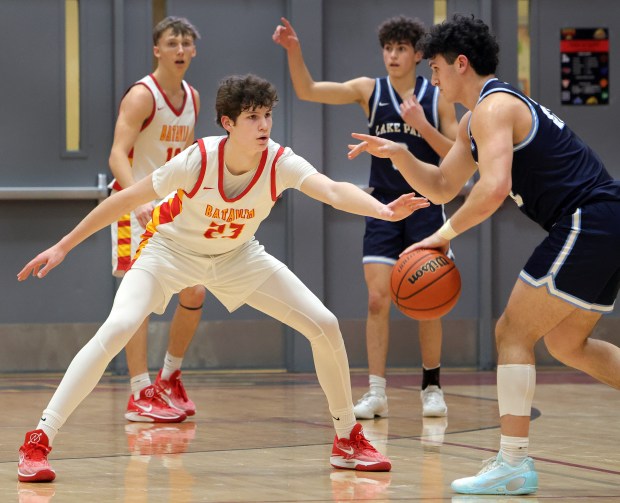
(43, 263)
(379, 147)
(285, 35)
(404, 206)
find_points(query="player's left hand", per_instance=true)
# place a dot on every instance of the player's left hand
(404, 206)
(432, 241)
(43, 263)
(379, 147)
(412, 112)
(285, 35)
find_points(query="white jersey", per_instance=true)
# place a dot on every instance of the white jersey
(209, 211)
(165, 133)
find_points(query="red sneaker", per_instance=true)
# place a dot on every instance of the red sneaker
(175, 391)
(152, 407)
(33, 465)
(356, 453)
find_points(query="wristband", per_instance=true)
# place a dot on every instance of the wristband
(446, 231)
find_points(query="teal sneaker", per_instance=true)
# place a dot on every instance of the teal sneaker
(498, 477)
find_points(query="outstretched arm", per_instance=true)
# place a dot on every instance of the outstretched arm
(110, 210)
(440, 184)
(350, 198)
(331, 93)
(492, 124)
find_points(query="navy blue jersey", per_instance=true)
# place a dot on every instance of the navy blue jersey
(385, 121)
(553, 171)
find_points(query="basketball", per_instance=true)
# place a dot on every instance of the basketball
(425, 284)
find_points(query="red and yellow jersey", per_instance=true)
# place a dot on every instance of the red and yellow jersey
(207, 210)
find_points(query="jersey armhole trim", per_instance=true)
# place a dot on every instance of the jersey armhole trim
(274, 194)
(203, 168)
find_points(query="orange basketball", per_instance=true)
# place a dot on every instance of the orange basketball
(425, 284)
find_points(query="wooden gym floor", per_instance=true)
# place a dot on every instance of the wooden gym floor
(266, 437)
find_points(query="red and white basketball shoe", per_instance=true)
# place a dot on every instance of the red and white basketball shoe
(33, 465)
(175, 391)
(153, 407)
(356, 453)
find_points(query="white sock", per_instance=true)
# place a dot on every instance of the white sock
(171, 365)
(514, 449)
(50, 423)
(377, 384)
(344, 421)
(138, 383)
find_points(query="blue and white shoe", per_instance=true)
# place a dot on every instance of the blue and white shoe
(498, 477)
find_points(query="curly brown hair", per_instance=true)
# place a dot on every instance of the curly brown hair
(401, 29)
(464, 35)
(239, 93)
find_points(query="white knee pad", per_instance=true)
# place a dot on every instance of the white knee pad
(515, 389)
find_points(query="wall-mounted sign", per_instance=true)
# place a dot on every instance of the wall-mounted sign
(584, 53)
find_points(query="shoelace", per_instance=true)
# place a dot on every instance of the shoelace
(157, 396)
(432, 397)
(488, 465)
(367, 396)
(36, 451)
(178, 388)
(362, 444)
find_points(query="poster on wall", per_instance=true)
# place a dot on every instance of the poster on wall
(584, 54)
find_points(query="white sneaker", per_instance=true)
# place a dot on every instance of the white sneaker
(433, 404)
(372, 404)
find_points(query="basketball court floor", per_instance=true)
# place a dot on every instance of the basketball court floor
(266, 437)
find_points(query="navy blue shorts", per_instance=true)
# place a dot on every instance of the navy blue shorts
(384, 241)
(579, 261)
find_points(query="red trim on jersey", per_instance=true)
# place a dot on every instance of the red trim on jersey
(274, 194)
(193, 91)
(149, 119)
(203, 167)
(220, 173)
(174, 110)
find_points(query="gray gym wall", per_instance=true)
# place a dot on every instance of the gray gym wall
(44, 323)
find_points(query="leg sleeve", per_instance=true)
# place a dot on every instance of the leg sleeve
(284, 297)
(135, 299)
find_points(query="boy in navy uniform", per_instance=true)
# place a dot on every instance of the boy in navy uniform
(522, 150)
(407, 109)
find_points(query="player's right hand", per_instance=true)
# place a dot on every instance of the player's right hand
(412, 112)
(374, 145)
(404, 206)
(144, 213)
(432, 241)
(43, 263)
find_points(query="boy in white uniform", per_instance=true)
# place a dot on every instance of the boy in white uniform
(156, 121)
(215, 194)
